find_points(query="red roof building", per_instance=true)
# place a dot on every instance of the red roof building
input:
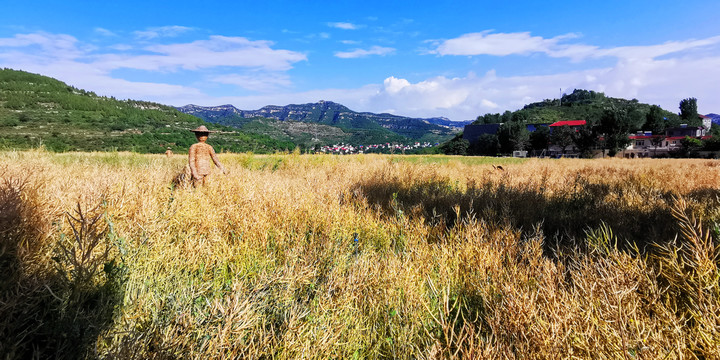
(569, 123)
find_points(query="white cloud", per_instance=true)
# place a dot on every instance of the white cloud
(65, 58)
(350, 42)
(394, 85)
(121, 47)
(344, 25)
(104, 32)
(357, 53)
(215, 52)
(501, 44)
(522, 43)
(259, 82)
(654, 51)
(124, 89)
(162, 31)
(662, 82)
(485, 103)
(58, 46)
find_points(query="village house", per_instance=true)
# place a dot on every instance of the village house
(574, 124)
(571, 150)
(645, 144)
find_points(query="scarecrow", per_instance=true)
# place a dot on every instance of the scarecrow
(200, 156)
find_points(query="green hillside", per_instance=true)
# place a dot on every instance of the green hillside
(579, 105)
(37, 110)
(609, 121)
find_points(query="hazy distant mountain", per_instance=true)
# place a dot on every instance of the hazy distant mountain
(450, 123)
(715, 118)
(356, 127)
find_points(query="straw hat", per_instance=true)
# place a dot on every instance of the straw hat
(202, 129)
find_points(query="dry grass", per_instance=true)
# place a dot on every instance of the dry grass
(548, 259)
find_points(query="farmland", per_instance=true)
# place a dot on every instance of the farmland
(365, 256)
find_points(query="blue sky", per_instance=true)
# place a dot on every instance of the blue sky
(457, 59)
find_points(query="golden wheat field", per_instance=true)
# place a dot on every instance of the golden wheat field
(108, 255)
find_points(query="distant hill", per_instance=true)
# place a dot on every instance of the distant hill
(38, 110)
(579, 105)
(607, 118)
(327, 121)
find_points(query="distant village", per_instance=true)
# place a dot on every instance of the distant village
(642, 144)
(344, 149)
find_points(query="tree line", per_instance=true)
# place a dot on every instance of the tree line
(609, 121)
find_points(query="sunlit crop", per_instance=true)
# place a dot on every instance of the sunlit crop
(104, 255)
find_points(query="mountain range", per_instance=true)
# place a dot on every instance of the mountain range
(327, 121)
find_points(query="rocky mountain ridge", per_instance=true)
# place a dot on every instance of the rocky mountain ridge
(384, 127)
(303, 112)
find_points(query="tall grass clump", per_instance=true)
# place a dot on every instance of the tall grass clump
(690, 269)
(55, 301)
(369, 256)
(24, 264)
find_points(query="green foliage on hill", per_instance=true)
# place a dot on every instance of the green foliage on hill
(37, 110)
(608, 123)
(582, 105)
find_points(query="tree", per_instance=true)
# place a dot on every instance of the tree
(488, 119)
(14, 103)
(581, 96)
(616, 142)
(712, 144)
(520, 116)
(714, 130)
(456, 146)
(656, 141)
(506, 116)
(540, 138)
(636, 119)
(513, 135)
(562, 136)
(688, 111)
(615, 125)
(690, 144)
(486, 144)
(585, 139)
(655, 121)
